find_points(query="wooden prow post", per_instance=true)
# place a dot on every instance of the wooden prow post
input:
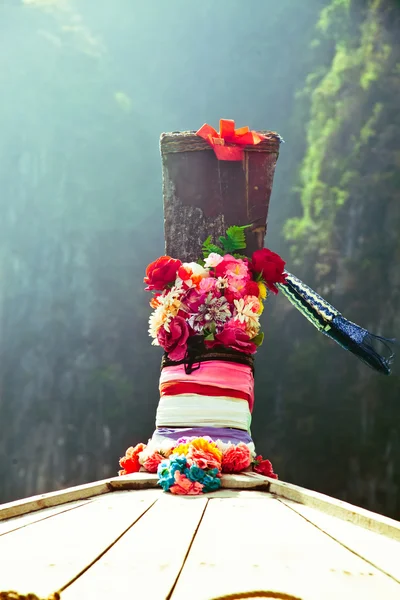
(203, 195)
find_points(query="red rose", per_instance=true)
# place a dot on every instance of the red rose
(174, 341)
(271, 267)
(233, 337)
(264, 467)
(130, 462)
(161, 272)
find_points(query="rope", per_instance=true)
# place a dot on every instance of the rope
(257, 594)
(11, 595)
(198, 354)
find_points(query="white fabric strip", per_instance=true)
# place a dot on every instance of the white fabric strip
(195, 410)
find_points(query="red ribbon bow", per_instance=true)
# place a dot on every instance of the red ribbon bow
(229, 142)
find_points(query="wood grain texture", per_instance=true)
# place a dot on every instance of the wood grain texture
(379, 550)
(203, 195)
(18, 522)
(45, 556)
(136, 481)
(147, 560)
(337, 508)
(248, 544)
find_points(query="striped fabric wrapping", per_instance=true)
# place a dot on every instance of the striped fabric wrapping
(216, 400)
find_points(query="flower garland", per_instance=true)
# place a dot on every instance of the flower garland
(219, 298)
(193, 466)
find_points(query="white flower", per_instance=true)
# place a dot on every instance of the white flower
(169, 305)
(222, 283)
(245, 314)
(195, 273)
(212, 260)
(196, 269)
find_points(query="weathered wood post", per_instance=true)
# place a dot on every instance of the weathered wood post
(203, 195)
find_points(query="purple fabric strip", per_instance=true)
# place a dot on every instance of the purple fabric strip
(224, 434)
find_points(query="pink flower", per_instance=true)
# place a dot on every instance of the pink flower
(208, 284)
(236, 458)
(204, 460)
(256, 304)
(192, 299)
(232, 267)
(174, 341)
(212, 260)
(151, 463)
(233, 336)
(184, 487)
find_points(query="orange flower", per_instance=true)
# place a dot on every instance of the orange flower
(130, 462)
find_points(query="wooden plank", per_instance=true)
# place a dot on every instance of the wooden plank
(28, 505)
(79, 492)
(15, 523)
(146, 561)
(48, 554)
(135, 481)
(379, 550)
(337, 508)
(261, 544)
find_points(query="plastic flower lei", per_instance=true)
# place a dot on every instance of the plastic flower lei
(193, 466)
(219, 298)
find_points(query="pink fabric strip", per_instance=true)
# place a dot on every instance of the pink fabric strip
(218, 373)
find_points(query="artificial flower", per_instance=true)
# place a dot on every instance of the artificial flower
(161, 273)
(151, 462)
(184, 486)
(208, 284)
(233, 336)
(214, 311)
(235, 270)
(174, 339)
(264, 467)
(212, 260)
(210, 479)
(130, 462)
(262, 290)
(205, 454)
(190, 274)
(236, 458)
(252, 288)
(247, 311)
(270, 266)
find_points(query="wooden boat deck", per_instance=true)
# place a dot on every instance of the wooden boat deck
(125, 538)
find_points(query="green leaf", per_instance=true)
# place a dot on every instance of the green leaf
(209, 247)
(258, 339)
(209, 337)
(235, 238)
